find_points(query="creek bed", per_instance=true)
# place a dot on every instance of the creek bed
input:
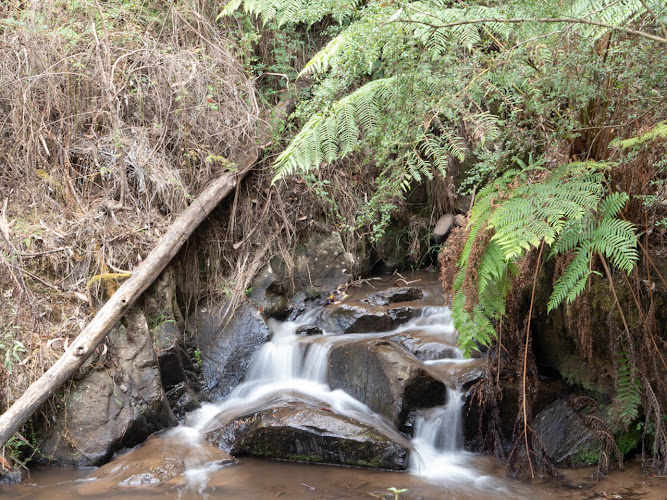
(253, 478)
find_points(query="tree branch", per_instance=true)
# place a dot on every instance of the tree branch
(521, 20)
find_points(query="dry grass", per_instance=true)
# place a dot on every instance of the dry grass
(114, 116)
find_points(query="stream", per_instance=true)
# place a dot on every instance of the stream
(297, 366)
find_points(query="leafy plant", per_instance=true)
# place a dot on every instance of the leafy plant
(629, 389)
(566, 209)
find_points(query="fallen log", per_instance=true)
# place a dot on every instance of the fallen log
(114, 309)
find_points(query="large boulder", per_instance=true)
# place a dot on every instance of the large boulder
(384, 376)
(294, 428)
(117, 403)
(162, 459)
(227, 346)
(566, 438)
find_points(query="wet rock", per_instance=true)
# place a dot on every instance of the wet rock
(393, 295)
(10, 476)
(305, 431)
(309, 330)
(384, 376)
(114, 406)
(347, 318)
(400, 315)
(567, 440)
(427, 347)
(182, 399)
(163, 458)
(228, 347)
(320, 265)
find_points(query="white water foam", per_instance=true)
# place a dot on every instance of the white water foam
(289, 363)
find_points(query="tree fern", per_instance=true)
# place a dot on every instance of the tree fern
(565, 208)
(599, 232)
(336, 133)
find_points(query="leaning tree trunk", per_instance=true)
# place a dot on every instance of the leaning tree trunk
(114, 309)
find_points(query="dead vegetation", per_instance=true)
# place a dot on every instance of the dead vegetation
(115, 116)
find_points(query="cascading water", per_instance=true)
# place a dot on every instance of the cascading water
(299, 364)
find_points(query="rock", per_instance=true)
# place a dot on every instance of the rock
(508, 406)
(442, 228)
(427, 347)
(227, 348)
(383, 376)
(392, 295)
(345, 318)
(321, 265)
(163, 458)
(182, 399)
(400, 315)
(309, 330)
(463, 203)
(10, 476)
(111, 407)
(307, 431)
(567, 440)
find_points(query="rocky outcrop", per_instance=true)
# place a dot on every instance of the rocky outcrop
(167, 325)
(320, 265)
(118, 402)
(308, 431)
(384, 376)
(227, 347)
(162, 459)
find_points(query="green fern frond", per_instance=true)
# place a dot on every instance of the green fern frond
(629, 389)
(334, 134)
(320, 62)
(658, 132)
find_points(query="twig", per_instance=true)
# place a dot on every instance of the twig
(663, 28)
(45, 283)
(37, 254)
(261, 218)
(525, 359)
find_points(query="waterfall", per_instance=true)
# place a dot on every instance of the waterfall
(299, 365)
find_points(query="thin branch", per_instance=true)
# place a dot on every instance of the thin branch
(663, 28)
(525, 358)
(521, 20)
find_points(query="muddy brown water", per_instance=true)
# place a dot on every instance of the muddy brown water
(252, 478)
(472, 476)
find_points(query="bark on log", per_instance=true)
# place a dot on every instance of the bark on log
(114, 309)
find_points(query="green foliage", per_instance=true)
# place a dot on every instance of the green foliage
(599, 232)
(629, 390)
(565, 208)
(10, 347)
(659, 131)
